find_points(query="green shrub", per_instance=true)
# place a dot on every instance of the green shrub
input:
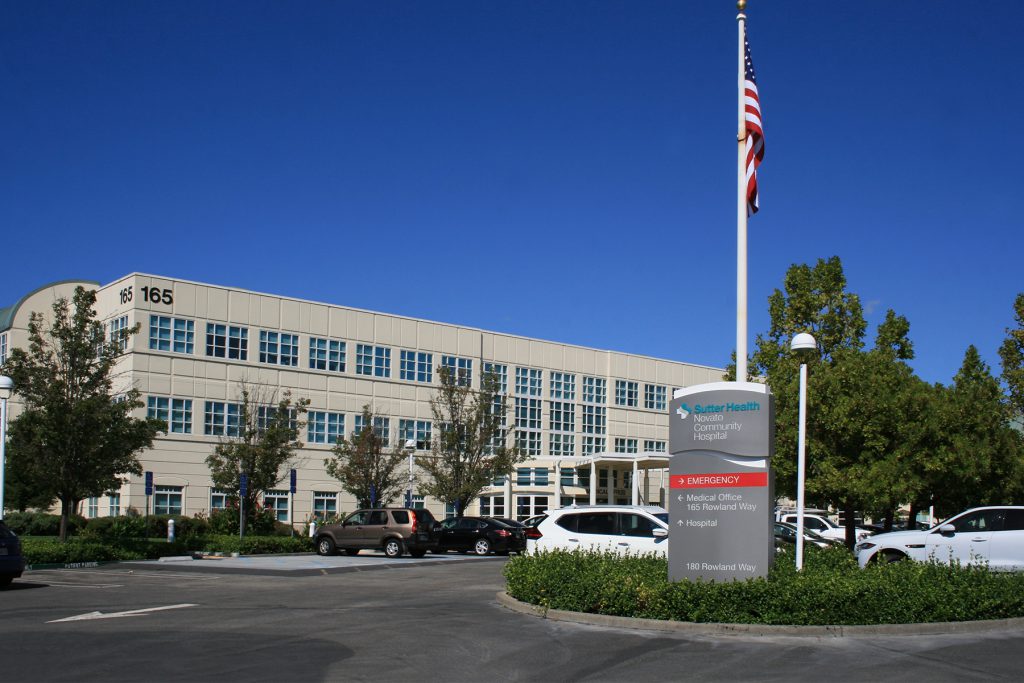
(42, 523)
(48, 550)
(224, 521)
(253, 545)
(831, 589)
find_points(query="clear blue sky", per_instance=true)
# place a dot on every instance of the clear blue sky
(561, 169)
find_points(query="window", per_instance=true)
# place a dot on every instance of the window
(416, 366)
(501, 374)
(531, 476)
(528, 425)
(568, 476)
(171, 334)
(562, 444)
(595, 390)
(461, 369)
(530, 506)
(279, 348)
(118, 333)
(176, 412)
(218, 499)
(625, 445)
(326, 354)
(595, 419)
(267, 415)
(325, 505)
(93, 507)
(982, 520)
(626, 393)
(596, 522)
(227, 341)
(3, 348)
(167, 500)
(278, 502)
(563, 417)
(374, 361)
(323, 427)
(593, 444)
(381, 427)
(418, 503)
(563, 386)
(221, 419)
(528, 382)
(415, 430)
(631, 524)
(492, 506)
(654, 446)
(114, 504)
(654, 396)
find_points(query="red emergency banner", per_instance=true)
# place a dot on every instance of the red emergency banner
(719, 480)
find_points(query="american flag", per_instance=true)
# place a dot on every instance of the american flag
(755, 136)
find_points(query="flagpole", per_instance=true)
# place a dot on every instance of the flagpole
(741, 211)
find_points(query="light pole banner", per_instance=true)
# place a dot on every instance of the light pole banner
(721, 439)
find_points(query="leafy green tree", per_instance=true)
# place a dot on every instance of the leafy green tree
(75, 438)
(978, 458)
(471, 443)
(364, 468)
(263, 446)
(1011, 354)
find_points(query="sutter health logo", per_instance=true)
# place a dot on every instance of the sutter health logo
(683, 411)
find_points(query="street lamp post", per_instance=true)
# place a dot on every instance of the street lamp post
(6, 386)
(801, 342)
(410, 445)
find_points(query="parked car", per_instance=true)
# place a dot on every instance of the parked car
(12, 564)
(482, 535)
(510, 522)
(396, 531)
(987, 535)
(785, 535)
(821, 525)
(621, 528)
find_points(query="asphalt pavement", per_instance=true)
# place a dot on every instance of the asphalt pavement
(298, 619)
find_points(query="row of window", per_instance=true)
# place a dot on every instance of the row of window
(222, 418)
(176, 335)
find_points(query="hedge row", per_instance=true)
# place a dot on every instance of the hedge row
(219, 522)
(831, 590)
(48, 550)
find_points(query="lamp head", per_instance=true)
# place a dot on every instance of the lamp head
(410, 444)
(803, 342)
(6, 386)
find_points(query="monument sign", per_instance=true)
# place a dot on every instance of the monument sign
(721, 439)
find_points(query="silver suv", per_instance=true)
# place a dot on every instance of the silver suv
(396, 531)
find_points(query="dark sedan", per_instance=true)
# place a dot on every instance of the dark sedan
(481, 535)
(11, 561)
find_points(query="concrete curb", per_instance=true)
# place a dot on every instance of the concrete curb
(691, 628)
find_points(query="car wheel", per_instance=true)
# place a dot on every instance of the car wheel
(393, 548)
(325, 546)
(351, 551)
(417, 553)
(482, 546)
(890, 556)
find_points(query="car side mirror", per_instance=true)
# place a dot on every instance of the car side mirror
(660, 533)
(947, 529)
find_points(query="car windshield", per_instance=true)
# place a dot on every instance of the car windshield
(663, 516)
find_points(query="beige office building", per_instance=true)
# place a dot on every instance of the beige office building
(593, 423)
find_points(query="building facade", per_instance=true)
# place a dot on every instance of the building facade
(584, 417)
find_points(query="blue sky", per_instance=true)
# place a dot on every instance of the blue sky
(558, 169)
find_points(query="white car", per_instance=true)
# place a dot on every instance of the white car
(822, 525)
(636, 530)
(993, 536)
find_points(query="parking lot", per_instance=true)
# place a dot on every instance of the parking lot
(306, 618)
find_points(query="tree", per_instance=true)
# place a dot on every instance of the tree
(263, 445)
(363, 468)
(471, 444)
(1011, 354)
(977, 460)
(75, 438)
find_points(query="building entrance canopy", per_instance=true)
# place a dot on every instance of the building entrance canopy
(648, 460)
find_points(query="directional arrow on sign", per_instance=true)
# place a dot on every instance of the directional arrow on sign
(118, 615)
